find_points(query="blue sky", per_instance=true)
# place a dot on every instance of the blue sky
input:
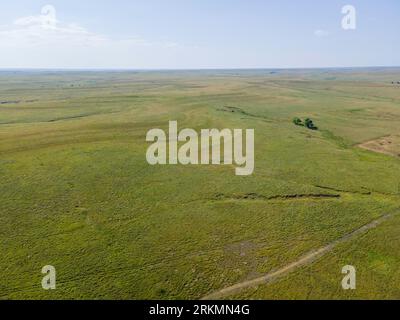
(180, 34)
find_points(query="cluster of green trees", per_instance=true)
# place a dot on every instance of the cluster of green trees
(308, 123)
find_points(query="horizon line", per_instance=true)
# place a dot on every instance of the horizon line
(188, 69)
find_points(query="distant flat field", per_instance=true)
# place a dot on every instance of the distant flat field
(77, 193)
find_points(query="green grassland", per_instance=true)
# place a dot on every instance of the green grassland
(77, 193)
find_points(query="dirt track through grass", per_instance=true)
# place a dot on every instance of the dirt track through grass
(304, 260)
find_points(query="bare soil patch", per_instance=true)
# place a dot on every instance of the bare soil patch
(389, 145)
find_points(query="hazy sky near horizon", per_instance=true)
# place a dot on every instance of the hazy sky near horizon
(181, 34)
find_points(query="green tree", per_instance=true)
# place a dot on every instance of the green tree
(297, 121)
(310, 124)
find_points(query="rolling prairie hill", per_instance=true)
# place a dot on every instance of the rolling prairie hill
(77, 193)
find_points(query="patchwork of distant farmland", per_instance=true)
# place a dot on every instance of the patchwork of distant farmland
(77, 193)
